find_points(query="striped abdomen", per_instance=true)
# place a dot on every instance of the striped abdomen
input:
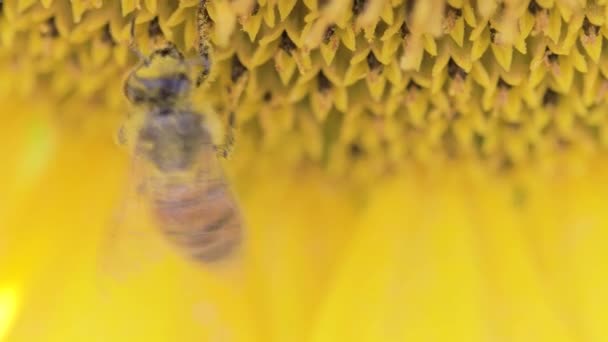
(202, 219)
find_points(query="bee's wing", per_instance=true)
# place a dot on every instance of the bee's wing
(131, 243)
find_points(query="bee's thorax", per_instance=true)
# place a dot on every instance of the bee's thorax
(173, 139)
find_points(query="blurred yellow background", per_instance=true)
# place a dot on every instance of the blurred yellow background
(452, 253)
(454, 208)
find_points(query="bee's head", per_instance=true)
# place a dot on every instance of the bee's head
(162, 79)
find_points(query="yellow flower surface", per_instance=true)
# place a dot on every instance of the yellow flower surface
(407, 171)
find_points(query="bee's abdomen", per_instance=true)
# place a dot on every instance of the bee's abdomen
(204, 222)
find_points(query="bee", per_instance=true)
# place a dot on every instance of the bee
(176, 167)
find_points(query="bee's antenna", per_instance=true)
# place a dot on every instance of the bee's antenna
(133, 42)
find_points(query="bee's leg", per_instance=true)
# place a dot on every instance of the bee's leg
(204, 49)
(225, 148)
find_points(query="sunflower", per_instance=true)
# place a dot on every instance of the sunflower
(407, 170)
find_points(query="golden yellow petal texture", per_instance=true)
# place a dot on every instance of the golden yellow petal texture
(382, 170)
